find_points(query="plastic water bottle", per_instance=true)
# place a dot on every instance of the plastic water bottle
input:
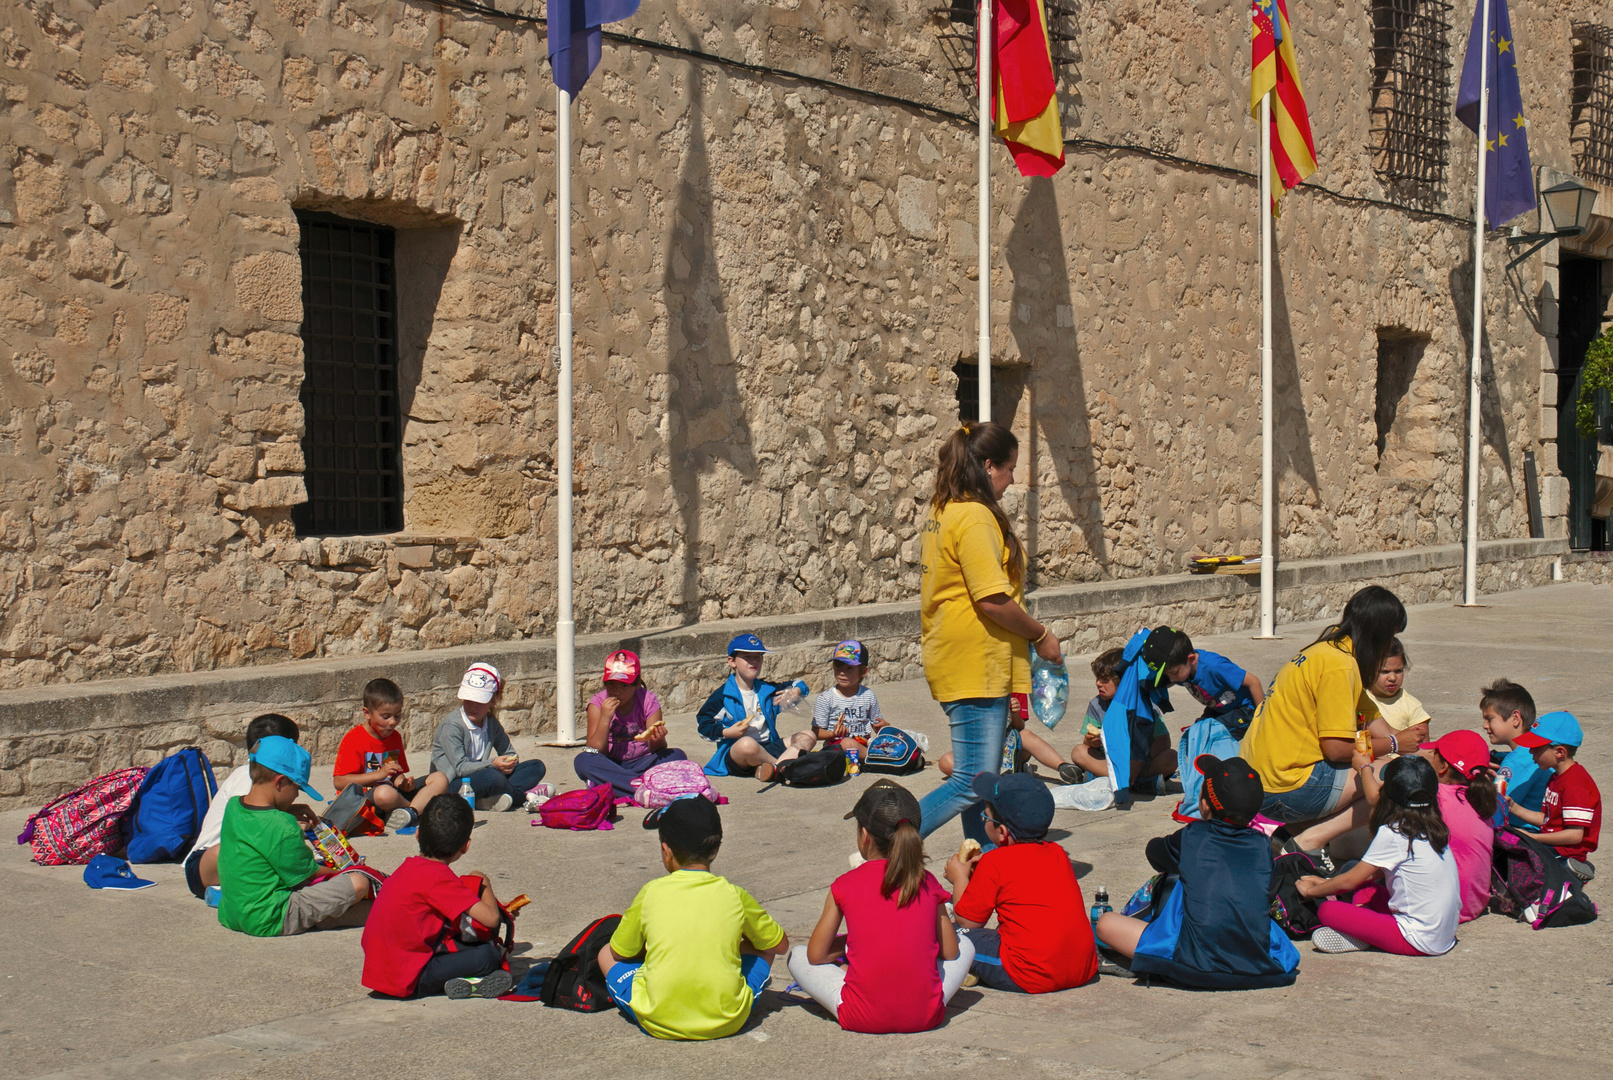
(467, 792)
(1050, 691)
(1100, 903)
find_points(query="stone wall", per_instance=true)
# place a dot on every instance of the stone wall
(773, 286)
(53, 737)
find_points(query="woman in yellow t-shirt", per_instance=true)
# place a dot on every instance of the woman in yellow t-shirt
(971, 592)
(1302, 739)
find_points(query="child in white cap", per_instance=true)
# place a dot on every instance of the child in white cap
(471, 744)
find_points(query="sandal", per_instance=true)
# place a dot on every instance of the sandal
(766, 771)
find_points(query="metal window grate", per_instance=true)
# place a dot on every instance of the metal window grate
(968, 373)
(956, 22)
(351, 445)
(1411, 93)
(1591, 105)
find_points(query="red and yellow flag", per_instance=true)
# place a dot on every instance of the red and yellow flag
(1293, 151)
(1025, 104)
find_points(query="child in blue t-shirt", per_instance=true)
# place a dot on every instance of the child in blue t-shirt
(1509, 711)
(1223, 688)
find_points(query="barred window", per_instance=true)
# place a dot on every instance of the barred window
(1590, 130)
(351, 445)
(1410, 100)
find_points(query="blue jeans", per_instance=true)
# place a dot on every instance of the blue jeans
(490, 783)
(988, 963)
(619, 980)
(978, 728)
(1313, 800)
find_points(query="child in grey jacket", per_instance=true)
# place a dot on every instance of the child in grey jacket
(471, 744)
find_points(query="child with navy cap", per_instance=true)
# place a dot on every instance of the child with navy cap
(265, 866)
(741, 716)
(1213, 928)
(1570, 814)
(1042, 942)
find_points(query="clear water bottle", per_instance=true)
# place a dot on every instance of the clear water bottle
(467, 792)
(1050, 691)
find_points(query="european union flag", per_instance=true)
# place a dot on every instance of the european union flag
(574, 37)
(1509, 181)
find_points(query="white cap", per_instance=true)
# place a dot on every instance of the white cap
(482, 682)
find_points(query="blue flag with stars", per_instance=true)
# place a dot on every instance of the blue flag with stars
(1509, 181)
(574, 37)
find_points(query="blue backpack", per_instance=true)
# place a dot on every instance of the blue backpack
(1207, 735)
(168, 808)
(894, 751)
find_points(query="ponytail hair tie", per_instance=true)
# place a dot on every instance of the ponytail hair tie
(902, 821)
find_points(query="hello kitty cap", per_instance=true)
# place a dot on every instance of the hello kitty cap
(482, 682)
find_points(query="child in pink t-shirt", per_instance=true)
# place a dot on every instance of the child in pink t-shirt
(900, 959)
(1467, 801)
(626, 735)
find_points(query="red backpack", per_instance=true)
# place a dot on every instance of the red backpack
(586, 808)
(86, 822)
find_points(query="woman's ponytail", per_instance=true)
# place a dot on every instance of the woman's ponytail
(960, 475)
(904, 864)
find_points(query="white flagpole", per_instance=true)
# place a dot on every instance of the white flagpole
(1470, 574)
(984, 27)
(565, 640)
(1268, 545)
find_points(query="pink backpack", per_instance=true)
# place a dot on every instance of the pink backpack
(86, 822)
(583, 809)
(669, 781)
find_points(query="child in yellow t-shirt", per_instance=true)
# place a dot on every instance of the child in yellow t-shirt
(1401, 722)
(693, 950)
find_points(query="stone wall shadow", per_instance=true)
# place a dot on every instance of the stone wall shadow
(1059, 419)
(427, 253)
(706, 418)
(1492, 425)
(1291, 425)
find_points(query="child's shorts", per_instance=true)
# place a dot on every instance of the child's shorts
(193, 874)
(619, 980)
(988, 964)
(321, 907)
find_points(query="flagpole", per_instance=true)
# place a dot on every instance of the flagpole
(1470, 573)
(984, 360)
(1268, 546)
(565, 641)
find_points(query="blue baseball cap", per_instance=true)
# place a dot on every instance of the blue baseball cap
(1553, 729)
(747, 643)
(106, 872)
(1021, 801)
(286, 758)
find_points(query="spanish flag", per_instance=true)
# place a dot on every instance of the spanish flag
(1293, 151)
(1026, 106)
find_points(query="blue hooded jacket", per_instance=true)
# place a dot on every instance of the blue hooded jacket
(1215, 930)
(1128, 723)
(725, 707)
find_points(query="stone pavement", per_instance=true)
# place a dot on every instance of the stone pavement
(146, 985)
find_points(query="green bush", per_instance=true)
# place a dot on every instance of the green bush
(1597, 376)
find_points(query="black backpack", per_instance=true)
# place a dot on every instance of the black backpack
(1531, 883)
(1296, 914)
(574, 980)
(820, 768)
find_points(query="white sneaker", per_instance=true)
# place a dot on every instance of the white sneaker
(401, 818)
(1326, 939)
(536, 798)
(496, 805)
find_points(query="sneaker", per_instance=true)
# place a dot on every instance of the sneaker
(538, 796)
(1071, 773)
(1581, 869)
(488, 986)
(401, 818)
(496, 804)
(1110, 967)
(971, 979)
(1328, 940)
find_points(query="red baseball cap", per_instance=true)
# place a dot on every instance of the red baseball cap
(1465, 751)
(622, 666)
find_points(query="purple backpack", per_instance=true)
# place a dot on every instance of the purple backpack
(581, 810)
(663, 784)
(84, 823)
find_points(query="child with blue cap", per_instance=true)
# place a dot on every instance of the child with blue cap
(266, 868)
(741, 716)
(1570, 814)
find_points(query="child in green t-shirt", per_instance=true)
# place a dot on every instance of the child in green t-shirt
(693, 950)
(264, 862)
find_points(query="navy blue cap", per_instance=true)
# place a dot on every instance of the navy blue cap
(747, 643)
(1020, 801)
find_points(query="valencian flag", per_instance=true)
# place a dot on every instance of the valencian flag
(1293, 151)
(574, 37)
(1025, 104)
(1509, 186)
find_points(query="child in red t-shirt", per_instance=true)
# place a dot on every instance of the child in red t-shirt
(414, 938)
(371, 756)
(1043, 941)
(1570, 814)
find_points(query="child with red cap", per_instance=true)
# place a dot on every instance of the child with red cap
(1461, 760)
(626, 735)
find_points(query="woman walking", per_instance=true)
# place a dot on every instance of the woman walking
(976, 631)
